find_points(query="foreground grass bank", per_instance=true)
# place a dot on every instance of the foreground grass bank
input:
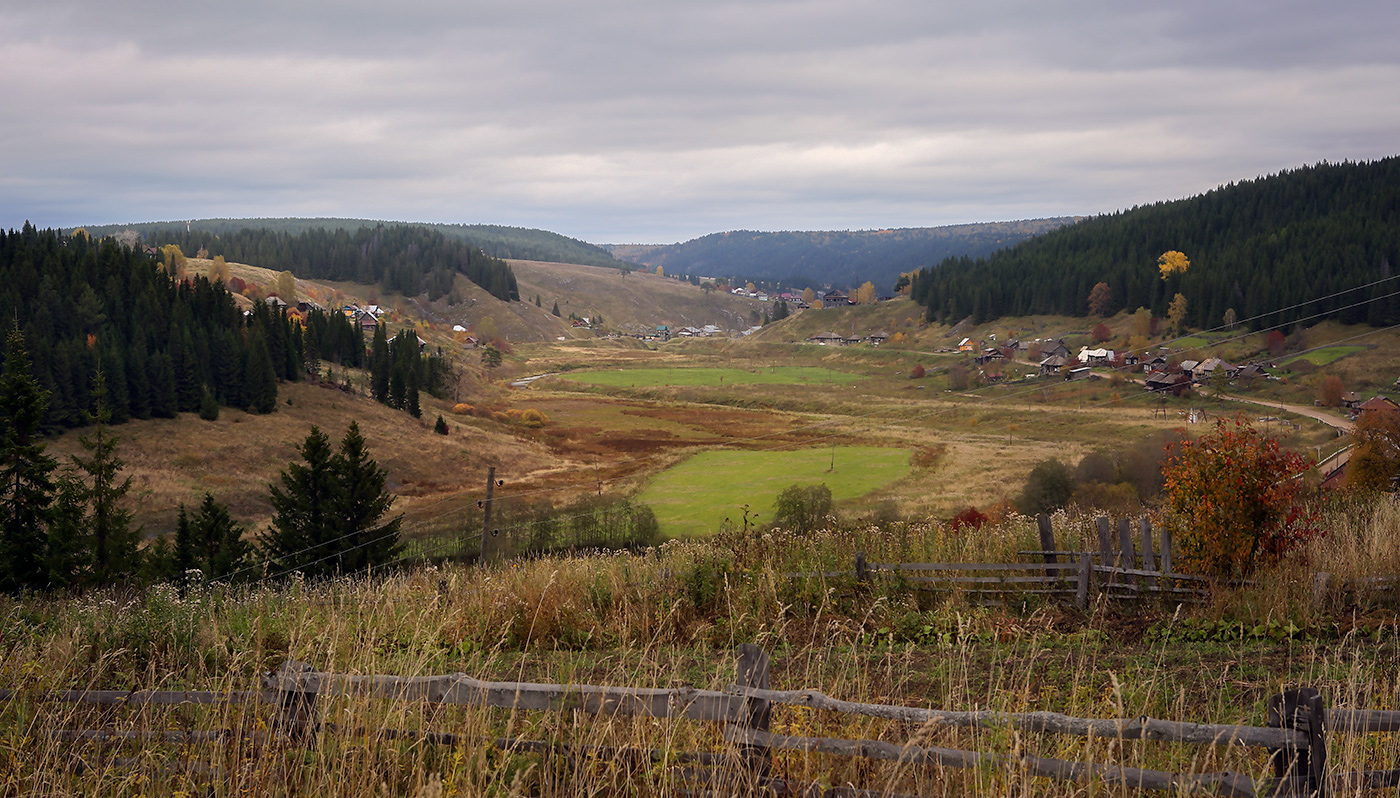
(673, 616)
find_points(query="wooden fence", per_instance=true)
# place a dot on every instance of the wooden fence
(1296, 737)
(1121, 568)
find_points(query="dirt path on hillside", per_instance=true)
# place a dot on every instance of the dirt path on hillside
(1315, 413)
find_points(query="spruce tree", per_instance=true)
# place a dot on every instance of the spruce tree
(115, 553)
(216, 542)
(260, 379)
(303, 529)
(26, 474)
(380, 364)
(360, 506)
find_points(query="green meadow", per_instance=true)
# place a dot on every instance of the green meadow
(1325, 355)
(696, 496)
(701, 376)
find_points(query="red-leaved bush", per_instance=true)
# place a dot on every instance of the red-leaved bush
(1235, 500)
(971, 518)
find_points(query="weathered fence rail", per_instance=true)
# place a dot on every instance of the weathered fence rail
(1122, 568)
(1296, 737)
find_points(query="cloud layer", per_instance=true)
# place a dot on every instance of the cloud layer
(634, 121)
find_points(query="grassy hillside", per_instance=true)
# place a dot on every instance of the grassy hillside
(631, 302)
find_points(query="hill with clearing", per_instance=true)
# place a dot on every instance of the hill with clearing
(635, 302)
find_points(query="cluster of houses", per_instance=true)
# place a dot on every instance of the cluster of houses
(1161, 374)
(833, 339)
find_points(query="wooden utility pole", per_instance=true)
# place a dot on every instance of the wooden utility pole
(490, 546)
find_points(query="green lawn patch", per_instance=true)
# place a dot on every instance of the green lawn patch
(694, 498)
(1325, 355)
(698, 376)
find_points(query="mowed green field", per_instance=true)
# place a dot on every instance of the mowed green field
(1326, 355)
(694, 497)
(698, 376)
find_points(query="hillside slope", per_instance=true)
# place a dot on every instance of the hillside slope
(1256, 247)
(633, 302)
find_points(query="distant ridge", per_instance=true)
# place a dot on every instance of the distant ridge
(838, 258)
(495, 240)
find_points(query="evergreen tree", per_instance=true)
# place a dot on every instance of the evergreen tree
(380, 364)
(115, 553)
(26, 474)
(328, 510)
(361, 505)
(260, 379)
(69, 554)
(303, 529)
(216, 542)
(209, 406)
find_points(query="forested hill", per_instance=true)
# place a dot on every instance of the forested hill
(408, 259)
(163, 346)
(495, 240)
(839, 258)
(1256, 247)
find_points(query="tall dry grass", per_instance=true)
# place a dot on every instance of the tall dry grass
(668, 617)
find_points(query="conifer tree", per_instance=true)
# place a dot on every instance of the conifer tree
(26, 474)
(216, 542)
(380, 364)
(260, 379)
(114, 543)
(301, 524)
(361, 505)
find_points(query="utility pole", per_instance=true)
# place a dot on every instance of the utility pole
(490, 546)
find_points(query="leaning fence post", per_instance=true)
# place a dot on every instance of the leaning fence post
(295, 701)
(756, 713)
(1301, 770)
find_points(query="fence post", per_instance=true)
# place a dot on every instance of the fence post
(862, 570)
(295, 704)
(1149, 561)
(1105, 546)
(752, 671)
(1086, 568)
(1301, 771)
(1125, 546)
(1047, 542)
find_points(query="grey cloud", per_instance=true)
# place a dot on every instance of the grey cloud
(631, 120)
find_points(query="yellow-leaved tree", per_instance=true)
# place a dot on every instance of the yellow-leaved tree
(865, 295)
(286, 288)
(1176, 311)
(1172, 262)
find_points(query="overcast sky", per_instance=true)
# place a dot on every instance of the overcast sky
(655, 121)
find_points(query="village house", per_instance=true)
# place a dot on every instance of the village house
(826, 339)
(1051, 366)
